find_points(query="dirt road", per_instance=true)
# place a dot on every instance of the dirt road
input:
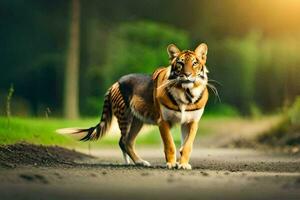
(216, 174)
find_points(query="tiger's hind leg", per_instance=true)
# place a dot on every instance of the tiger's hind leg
(130, 138)
(122, 146)
(129, 130)
(124, 122)
(128, 124)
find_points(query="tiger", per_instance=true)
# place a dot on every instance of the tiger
(175, 94)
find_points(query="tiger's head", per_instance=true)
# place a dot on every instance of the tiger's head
(188, 67)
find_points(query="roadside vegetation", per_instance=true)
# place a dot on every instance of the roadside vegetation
(218, 130)
(287, 132)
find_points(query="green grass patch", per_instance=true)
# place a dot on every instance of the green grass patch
(37, 130)
(42, 131)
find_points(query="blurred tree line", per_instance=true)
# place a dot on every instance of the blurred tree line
(253, 49)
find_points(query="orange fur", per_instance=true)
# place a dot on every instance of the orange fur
(160, 77)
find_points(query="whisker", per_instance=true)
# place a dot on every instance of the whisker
(214, 81)
(214, 90)
(170, 85)
(169, 82)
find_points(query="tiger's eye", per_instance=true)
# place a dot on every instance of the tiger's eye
(179, 66)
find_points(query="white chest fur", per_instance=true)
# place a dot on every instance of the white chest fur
(180, 97)
(181, 116)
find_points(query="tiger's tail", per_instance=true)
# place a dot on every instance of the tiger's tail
(98, 131)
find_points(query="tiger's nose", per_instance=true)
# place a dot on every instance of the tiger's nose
(187, 74)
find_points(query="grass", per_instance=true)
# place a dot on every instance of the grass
(36, 130)
(42, 131)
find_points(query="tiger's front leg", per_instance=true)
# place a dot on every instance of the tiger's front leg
(189, 131)
(169, 146)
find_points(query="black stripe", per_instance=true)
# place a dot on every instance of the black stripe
(187, 110)
(190, 110)
(121, 104)
(89, 133)
(172, 98)
(169, 107)
(118, 98)
(114, 96)
(126, 92)
(188, 95)
(105, 109)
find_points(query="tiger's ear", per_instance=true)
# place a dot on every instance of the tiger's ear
(201, 51)
(157, 72)
(173, 51)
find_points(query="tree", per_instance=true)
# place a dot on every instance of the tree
(72, 71)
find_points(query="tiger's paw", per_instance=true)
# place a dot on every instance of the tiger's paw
(143, 163)
(185, 166)
(170, 165)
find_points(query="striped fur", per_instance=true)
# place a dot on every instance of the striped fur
(113, 105)
(98, 131)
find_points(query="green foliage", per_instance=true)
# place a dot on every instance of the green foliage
(223, 110)
(93, 105)
(255, 58)
(256, 71)
(233, 63)
(287, 131)
(277, 78)
(294, 112)
(139, 47)
(255, 111)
